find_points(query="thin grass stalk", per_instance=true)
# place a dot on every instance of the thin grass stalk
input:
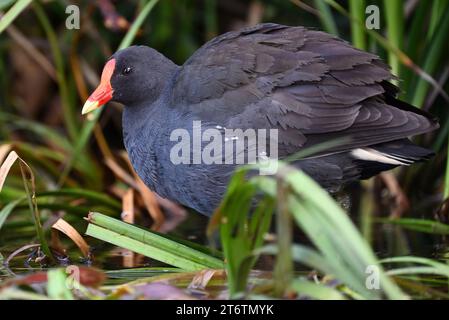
(12, 14)
(414, 43)
(432, 58)
(132, 32)
(138, 246)
(446, 180)
(153, 239)
(357, 12)
(326, 17)
(210, 18)
(283, 271)
(438, 9)
(68, 111)
(403, 58)
(394, 10)
(32, 204)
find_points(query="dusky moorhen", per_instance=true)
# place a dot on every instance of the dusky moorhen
(310, 86)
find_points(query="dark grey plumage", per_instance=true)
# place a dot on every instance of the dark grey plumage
(310, 85)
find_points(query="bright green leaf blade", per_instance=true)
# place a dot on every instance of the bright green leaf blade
(57, 287)
(143, 248)
(316, 291)
(12, 14)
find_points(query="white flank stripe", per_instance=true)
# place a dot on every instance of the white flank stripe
(369, 154)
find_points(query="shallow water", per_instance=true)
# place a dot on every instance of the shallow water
(387, 241)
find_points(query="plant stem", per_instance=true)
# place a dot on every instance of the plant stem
(31, 197)
(283, 270)
(326, 17)
(357, 10)
(12, 14)
(395, 22)
(68, 110)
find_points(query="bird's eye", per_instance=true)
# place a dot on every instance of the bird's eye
(127, 70)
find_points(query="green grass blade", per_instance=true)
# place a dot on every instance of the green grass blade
(12, 14)
(57, 285)
(438, 9)
(131, 34)
(315, 291)
(414, 43)
(37, 128)
(95, 197)
(70, 119)
(331, 230)
(394, 10)
(18, 294)
(357, 11)
(6, 211)
(434, 53)
(421, 225)
(303, 255)
(210, 18)
(32, 204)
(326, 17)
(153, 252)
(283, 270)
(149, 243)
(432, 266)
(403, 58)
(446, 180)
(240, 230)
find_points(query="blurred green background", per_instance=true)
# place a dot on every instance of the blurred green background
(47, 72)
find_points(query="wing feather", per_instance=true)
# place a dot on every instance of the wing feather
(310, 85)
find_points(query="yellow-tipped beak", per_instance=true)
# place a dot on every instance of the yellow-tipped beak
(104, 91)
(90, 106)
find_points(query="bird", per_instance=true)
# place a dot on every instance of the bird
(305, 86)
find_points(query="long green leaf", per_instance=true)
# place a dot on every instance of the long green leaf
(153, 252)
(57, 285)
(394, 10)
(148, 243)
(70, 119)
(326, 17)
(96, 197)
(433, 267)
(316, 291)
(357, 11)
(433, 53)
(12, 14)
(421, 225)
(6, 211)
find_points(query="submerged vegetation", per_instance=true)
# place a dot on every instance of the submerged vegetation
(69, 197)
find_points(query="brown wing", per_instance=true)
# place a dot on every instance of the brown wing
(312, 86)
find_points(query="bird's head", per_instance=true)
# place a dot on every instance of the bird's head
(130, 76)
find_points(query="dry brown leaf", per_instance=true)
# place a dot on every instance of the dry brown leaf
(128, 216)
(174, 214)
(148, 197)
(112, 19)
(4, 149)
(151, 204)
(6, 166)
(71, 232)
(21, 249)
(29, 48)
(201, 279)
(401, 202)
(159, 291)
(120, 173)
(128, 206)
